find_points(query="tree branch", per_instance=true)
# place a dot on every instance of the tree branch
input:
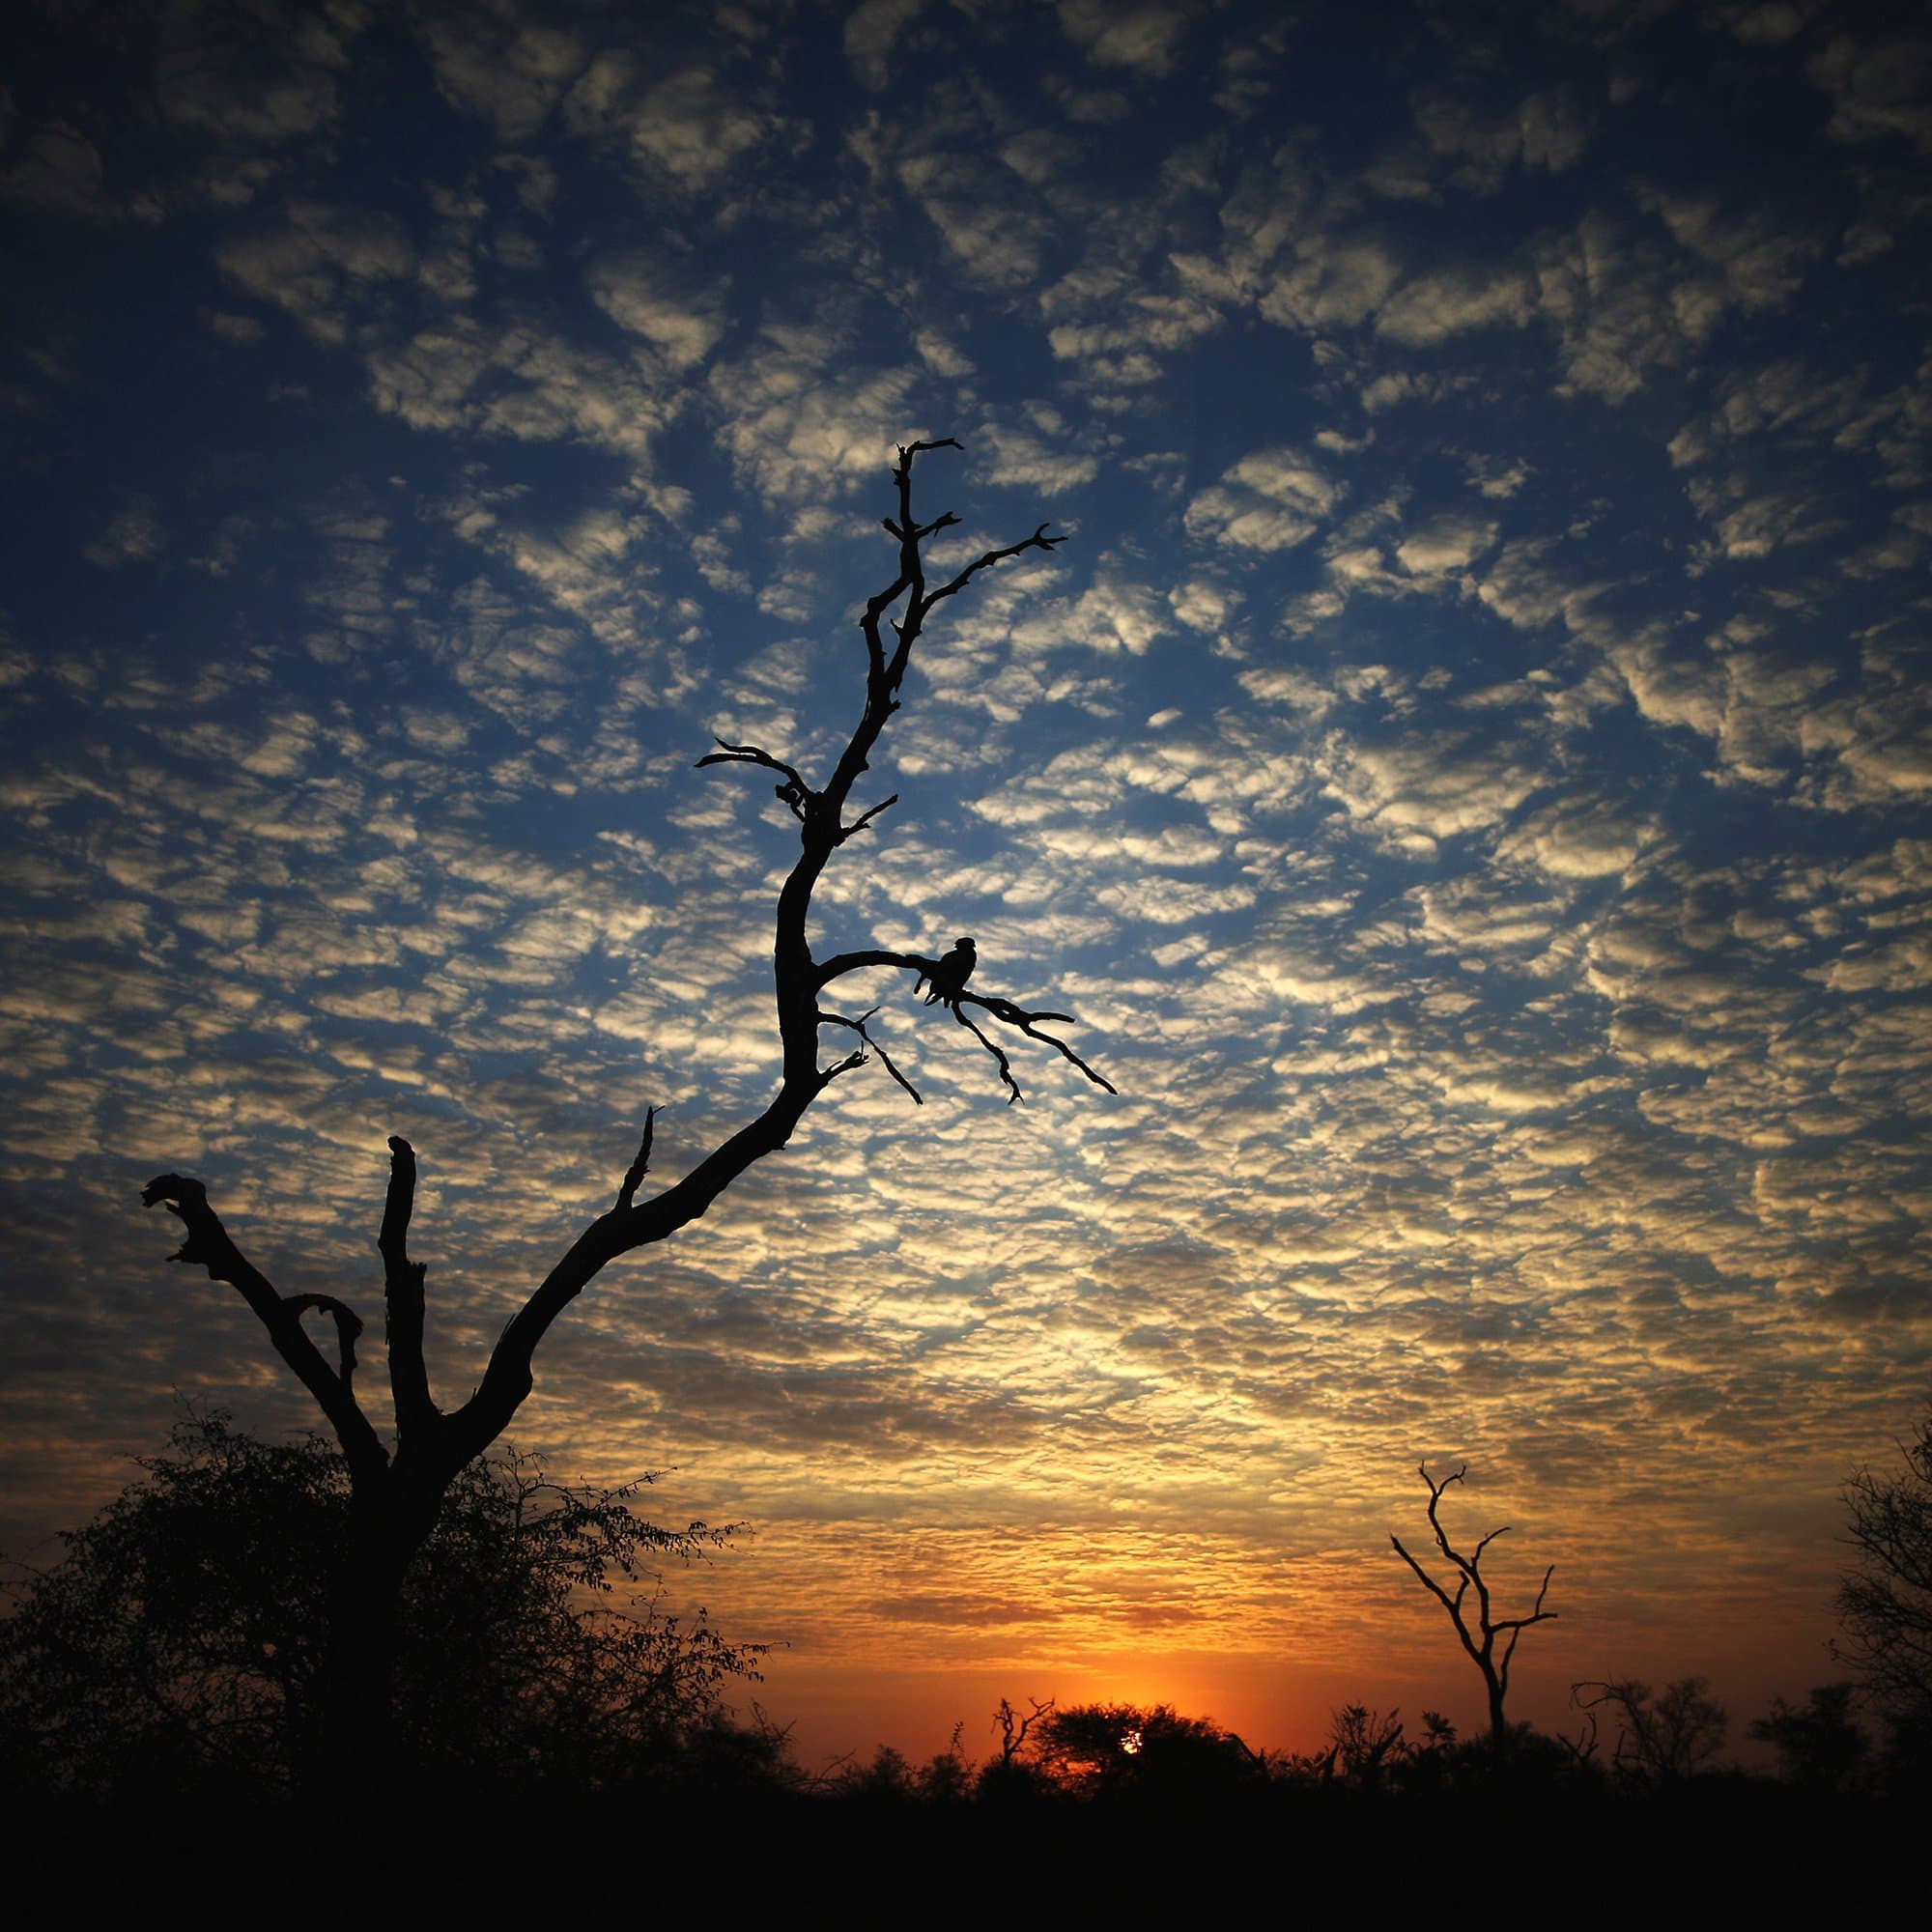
(797, 981)
(865, 817)
(858, 1026)
(402, 1295)
(1435, 1588)
(207, 1245)
(1029, 1023)
(347, 1325)
(640, 1166)
(1039, 540)
(795, 793)
(1021, 1018)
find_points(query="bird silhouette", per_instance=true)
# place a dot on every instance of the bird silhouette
(954, 970)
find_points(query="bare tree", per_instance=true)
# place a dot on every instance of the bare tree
(397, 1491)
(1478, 1637)
(1014, 1729)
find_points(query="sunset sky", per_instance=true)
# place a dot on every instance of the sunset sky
(1467, 771)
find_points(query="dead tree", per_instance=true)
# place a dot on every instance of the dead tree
(1015, 1729)
(1479, 1641)
(398, 1488)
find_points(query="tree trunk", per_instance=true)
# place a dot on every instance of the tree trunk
(352, 1736)
(1500, 1730)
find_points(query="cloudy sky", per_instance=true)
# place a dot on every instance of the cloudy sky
(1467, 772)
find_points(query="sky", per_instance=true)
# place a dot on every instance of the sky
(1466, 771)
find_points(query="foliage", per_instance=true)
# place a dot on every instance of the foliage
(179, 1640)
(1095, 1750)
(1884, 1599)
(1364, 1747)
(1818, 1742)
(890, 1777)
(1663, 1737)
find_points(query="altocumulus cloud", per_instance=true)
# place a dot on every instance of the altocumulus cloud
(1469, 770)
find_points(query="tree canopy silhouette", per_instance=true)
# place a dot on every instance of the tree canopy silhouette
(1100, 1750)
(1663, 1737)
(175, 1647)
(396, 1491)
(1885, 1598)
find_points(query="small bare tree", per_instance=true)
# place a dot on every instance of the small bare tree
(1478, 1637)
(1015, 1729)
(397, 1491)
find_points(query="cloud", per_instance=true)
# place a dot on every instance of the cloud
(1446, 543)
(1416, 790)
(1578, 838)
(873, 29)
(1023, 459)
(1780, 401)
(269, 72)
(494, 62)
(1139, 35)
(996, 237)
(940, 355)
(1429, 308)
(1335, 284)
(133, 536)
(640, 297)
(60, 174)
(1546, 129)
(1878, 87)
(1466, 770)
(1611, 309)
(1748, 523)
(516, 381)
(1498, 478)
(322, 265)
(1762, 258)
(690, 130)
(1123, 348)
(1401, 385)
(795, 421)
(1270, 501)
(1113, 615)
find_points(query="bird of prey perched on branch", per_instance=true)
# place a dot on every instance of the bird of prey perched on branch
(954, 970)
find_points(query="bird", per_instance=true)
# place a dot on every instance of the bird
(954, 970)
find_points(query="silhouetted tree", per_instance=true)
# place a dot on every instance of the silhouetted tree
(1364, 1747)
(1100, 1750)
(1478, 1639)
(947, 1776)
(1818, 1742)
(1014, 1729)
(1014, 1772)
(176, 1645)
(397, 1491)
(1884, 1600)
(1661, 1738)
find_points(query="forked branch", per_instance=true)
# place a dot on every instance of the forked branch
(207, 1244)
(1478, 1635)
